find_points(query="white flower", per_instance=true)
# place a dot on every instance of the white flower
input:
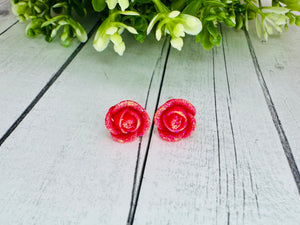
(177, 43)
(111, 30)
(112, 4)
(176, 24)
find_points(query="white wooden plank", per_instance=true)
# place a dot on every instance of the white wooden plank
(7, 18)
(281, 70)
(232, 170)
(26, 66)
(60, 166)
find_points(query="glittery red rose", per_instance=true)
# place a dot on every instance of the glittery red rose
(175, 119)
(126, 121)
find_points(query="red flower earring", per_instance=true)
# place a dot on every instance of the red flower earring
(126, 121)
(175, 119)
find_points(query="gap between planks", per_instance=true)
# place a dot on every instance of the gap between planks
(7, 18)
(137, 184)
(245, 205)
(47, 86)
(133, 202)
(277, 123)
(8, 28)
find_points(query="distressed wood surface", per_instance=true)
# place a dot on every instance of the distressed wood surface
(58, 164)
(61, 166)
(26, 66)
(7, 18)
(233, 170)
(280, 69)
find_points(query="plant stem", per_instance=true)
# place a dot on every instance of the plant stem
(259, 3)
(160, 6)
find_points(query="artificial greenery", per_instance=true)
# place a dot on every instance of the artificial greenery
(176, 18)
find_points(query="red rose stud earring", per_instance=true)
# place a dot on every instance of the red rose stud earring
(175, 119)
(126, 121)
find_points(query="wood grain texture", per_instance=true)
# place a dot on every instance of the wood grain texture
(153, 96)
(26, 66)
(60, 166)
(233, 169)
(281, 71)
(7, 18)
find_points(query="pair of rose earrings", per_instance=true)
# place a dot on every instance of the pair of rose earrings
(128, 120)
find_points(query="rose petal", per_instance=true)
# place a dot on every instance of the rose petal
(110, 124)
(130, 121)
(175, 120)
(122, 138)
(140, 110)
(177, 136)
(127, 120)
(170, 136)
(158, 115)
(146, 122)
(180, 109)
(186, 106)
(128, 103)
(117, 119)
(191, 125)
(166, 115)
(183, 103)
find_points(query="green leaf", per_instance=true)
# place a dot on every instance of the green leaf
(277, 10)
(292, 20)
(211, 18)
(297, 21)
(178, 4)
(204, 38)
(53, 20)
(140, 37)
(34, 27)
(79, 8)
(258, 26)
(239, 24)
(214, 3)
(286, 27)
(229, 22)
(78, 29)
(215, 40)
(193, 8)
(292, 4)
(99, 5)
(54, 17)
(60, 5)
(212, 30)
(66, 37)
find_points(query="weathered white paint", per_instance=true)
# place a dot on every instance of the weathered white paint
(281, 69)
(7, 18)
(249, 181)
(26, 66)
(60, 166)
